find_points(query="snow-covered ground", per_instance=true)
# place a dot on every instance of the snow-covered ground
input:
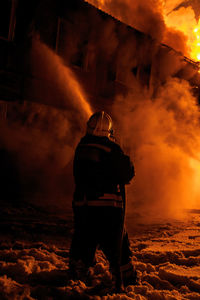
(34, 249)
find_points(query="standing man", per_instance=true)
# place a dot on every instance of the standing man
(101, 170)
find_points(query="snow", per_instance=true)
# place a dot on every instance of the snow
(34, 265)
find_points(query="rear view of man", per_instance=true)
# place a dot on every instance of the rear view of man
(101, 170)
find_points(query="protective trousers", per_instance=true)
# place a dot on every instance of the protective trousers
(102, 227)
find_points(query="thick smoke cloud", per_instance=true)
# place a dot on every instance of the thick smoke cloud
(161, 135)
(146, 16)
(159, 131)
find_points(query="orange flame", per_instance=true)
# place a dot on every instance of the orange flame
(196, 46)
(184, 21)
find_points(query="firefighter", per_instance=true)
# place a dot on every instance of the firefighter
(101, 170)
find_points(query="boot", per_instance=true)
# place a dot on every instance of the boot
(130, 279)
(119, 288)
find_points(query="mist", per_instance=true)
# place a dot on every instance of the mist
(41, 137)
(162, 138)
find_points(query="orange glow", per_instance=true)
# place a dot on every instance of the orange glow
(195, 165)
(167, 143)
(196, 46)
(184, 21)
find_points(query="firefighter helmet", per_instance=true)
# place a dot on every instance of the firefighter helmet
(100, 124)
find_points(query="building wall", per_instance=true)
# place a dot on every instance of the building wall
(108, 57)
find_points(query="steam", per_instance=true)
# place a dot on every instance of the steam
(41, 140)
(42, 136)
(162, 137)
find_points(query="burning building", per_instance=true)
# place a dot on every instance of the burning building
(103, 52)
(60, 60)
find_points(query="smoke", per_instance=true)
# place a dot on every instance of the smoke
(143, 15)
(42, 137)
(39, 137)
(160, 133)
(162, 137)
(146, 16)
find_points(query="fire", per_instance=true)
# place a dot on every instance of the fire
(196, 46)
(172, 13)
(184, 21)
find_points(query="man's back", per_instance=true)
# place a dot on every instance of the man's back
(100, 166)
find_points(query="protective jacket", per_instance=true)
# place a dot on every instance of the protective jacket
(100, 171)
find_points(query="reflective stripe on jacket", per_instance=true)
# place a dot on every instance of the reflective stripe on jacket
(100, 169)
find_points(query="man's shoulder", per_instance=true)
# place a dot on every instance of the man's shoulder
(101, 140)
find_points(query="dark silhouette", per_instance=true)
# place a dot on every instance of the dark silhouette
(101, 170)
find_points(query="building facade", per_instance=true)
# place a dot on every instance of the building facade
(108, 57)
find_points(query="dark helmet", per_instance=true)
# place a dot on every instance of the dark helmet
(100, 124)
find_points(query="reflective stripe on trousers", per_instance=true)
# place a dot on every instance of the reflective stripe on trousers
(99, 203)
(127, 270)
(126, 267)
(106, 200)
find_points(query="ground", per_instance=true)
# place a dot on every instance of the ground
(34, 251)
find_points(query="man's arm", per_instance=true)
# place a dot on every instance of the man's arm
(121, 166)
